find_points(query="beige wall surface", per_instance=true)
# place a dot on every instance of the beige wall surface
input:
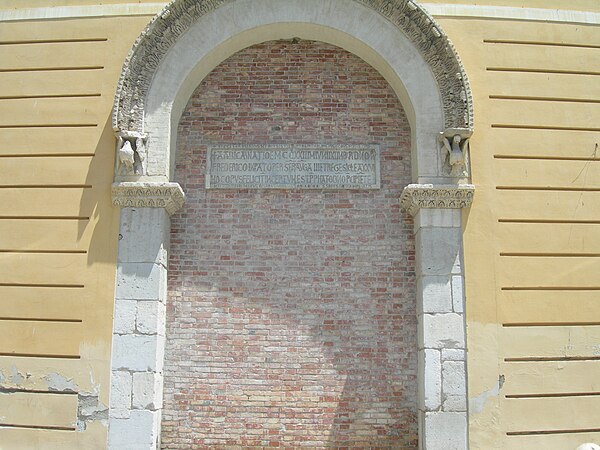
(531, 237)
(581, 5)
(58, 229)
(18, 4)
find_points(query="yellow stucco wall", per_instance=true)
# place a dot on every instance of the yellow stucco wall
(58, 229)
(580, 5)
(531, 237)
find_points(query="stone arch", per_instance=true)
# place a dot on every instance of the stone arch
(180, 16)
(180, 46)
(188, 39)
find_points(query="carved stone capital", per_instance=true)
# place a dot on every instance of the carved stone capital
(148, 195)
(416, 196)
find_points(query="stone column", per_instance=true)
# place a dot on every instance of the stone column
(139, 314)
(442, 399)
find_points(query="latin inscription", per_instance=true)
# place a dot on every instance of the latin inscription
(293, 167)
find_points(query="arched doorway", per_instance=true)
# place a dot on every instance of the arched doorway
(180, 47)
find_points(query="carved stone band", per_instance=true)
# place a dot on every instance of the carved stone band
(178, 16)
(416, 196)
(148, 195)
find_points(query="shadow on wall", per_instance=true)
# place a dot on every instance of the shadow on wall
(328, 374)
(309, 338)
(98, 218)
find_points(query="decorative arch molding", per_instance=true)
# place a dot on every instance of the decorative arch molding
(179, 47)
(178, 16)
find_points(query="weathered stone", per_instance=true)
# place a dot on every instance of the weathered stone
(143, 235)
(124, 319)
(445, 431)
(120, 391)
(147, 390)
(430, 393)
(452, 354)
(138, 432)
(454, 378)
(437, 217)
(439, 250)
(436, 294)
(443, 331)
(137, 353)
(150, 318)
(436, 196)
(458, 296)
(454, 403)
(179, 16)
(146, 194)
(141, 281)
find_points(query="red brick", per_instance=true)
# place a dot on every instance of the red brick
(291, 315)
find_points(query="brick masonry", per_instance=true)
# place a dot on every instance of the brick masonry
(291, 314)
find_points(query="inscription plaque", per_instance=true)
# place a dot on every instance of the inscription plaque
(274, 166)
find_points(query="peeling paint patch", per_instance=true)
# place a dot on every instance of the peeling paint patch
(477, 404)
(16, 377)
(59, 383)
(90, 409)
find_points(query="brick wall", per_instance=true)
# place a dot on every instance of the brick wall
(291, 316)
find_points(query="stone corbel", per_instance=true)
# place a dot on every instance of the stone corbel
(454, 143)
(148, 195)
(417, 196)
(131, 153)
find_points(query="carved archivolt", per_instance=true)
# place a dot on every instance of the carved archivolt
(417, 196)
(178, 16)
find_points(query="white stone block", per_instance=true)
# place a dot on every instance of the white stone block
(438, 251)
(456, 403)
(143, 235)
(458, 294)
(139, 432)
(436, 294)
(160, 353)
(437, 217)
(454, 378)
(430, 389)
(453, 354)
(141, 281)
(445, 431)
(147, 390)
(150, 318)
(120, 391)
(124, 320)
(119, 413)
(138, 353)
(443, 331)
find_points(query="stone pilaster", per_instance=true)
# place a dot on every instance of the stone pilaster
(442, 397)
(139, 319)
